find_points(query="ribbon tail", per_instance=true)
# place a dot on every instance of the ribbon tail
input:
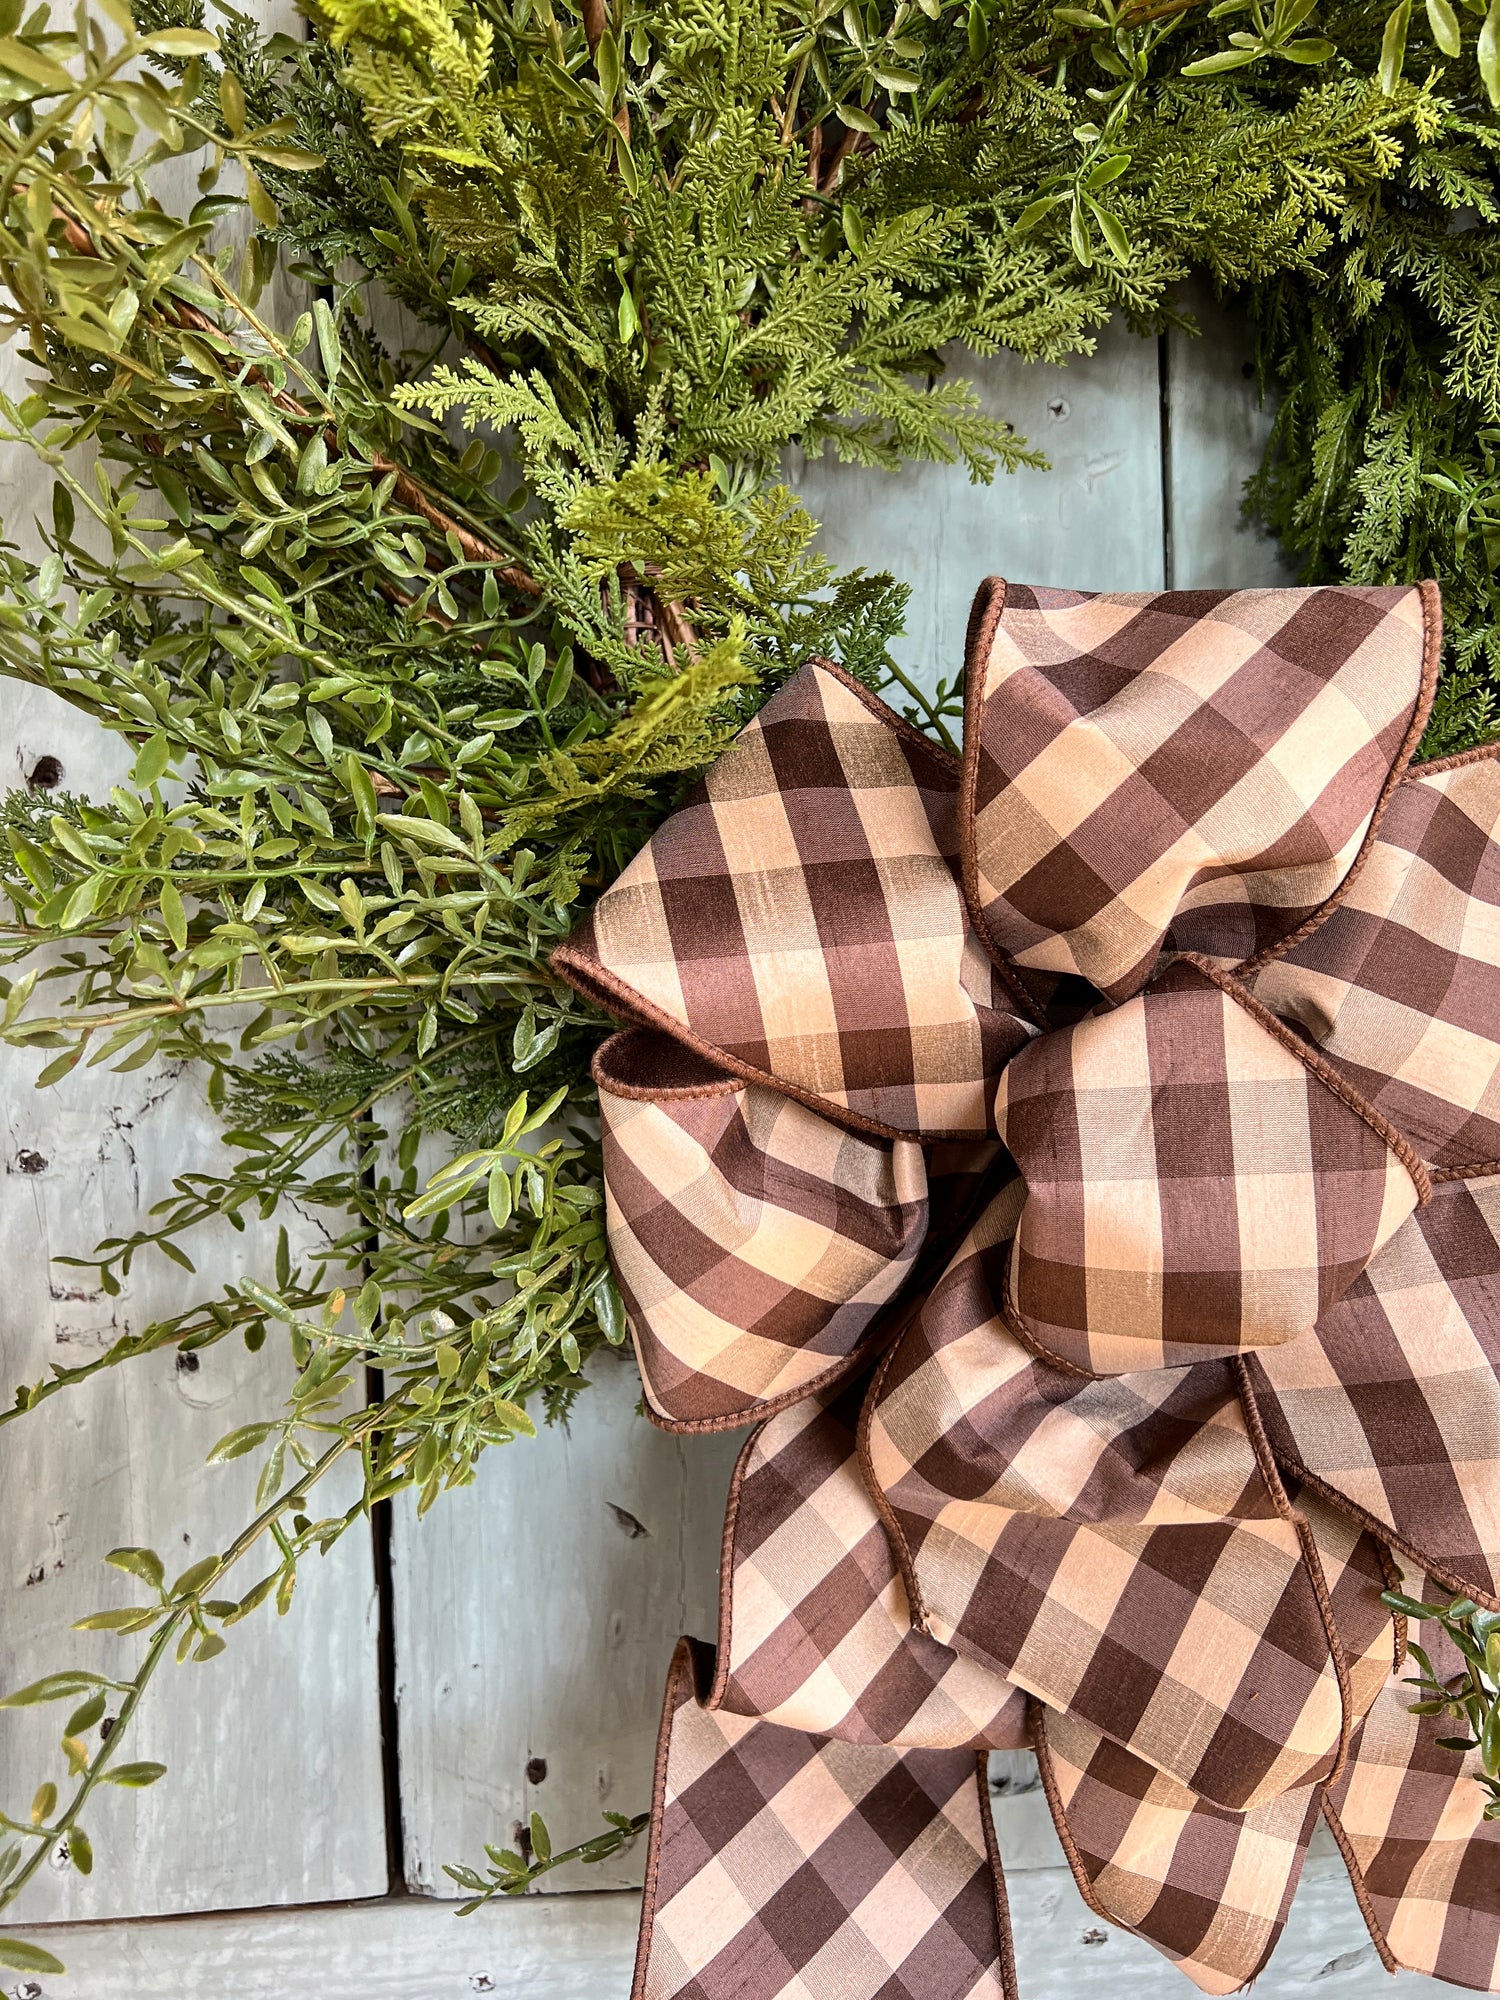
(1209, 1888)
(783, 1863)
(1408, 1818)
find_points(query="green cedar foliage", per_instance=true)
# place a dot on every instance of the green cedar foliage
(415, 521)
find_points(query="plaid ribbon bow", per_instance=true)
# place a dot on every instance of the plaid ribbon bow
(1082, 1166)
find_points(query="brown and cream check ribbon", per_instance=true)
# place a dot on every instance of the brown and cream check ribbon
(1081, 1163)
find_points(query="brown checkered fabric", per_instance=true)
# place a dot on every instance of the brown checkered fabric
(1400, 987)
(1208, 1887)
(816, 1630)
(1086, 1163)
(1393, 1404)
(789, 1864)
(1409, 1818)
(1211, 1889)
(1111, 1546)
(1193, 1188)
(1196, 768)
(801, 919)
(753, 1241)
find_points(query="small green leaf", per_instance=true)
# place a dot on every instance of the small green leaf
(144, 1563)
(1489, 1741)
(20, 59)
(173, 915)
(1112, 230)
(195, 1576)
(125, 1618)
(53, 1687)
(610, 1312)
(541, 1840)
(1226, 59)
(182, 42)
(1032, 214)
(329, 347)
(1489, 54)
(1444, 25)
(1393, 47)
(22, 1957)
(80, 1850)
(362, 791)
(500, 1195)
(135, 1777)
(238, 1442)
(1078, 232)
(87, 1717)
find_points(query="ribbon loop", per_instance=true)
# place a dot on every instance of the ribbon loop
(1194, 1188)
(1114, 1547)
(753, 1241)
(1197, 768)
(800, 923)
(1399, 988)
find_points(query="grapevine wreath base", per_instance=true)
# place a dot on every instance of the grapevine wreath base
(1080, 1163)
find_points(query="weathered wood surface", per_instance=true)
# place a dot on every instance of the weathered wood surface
(275, 1790)
(581, 1947)
(533, 1614)
(274, 1750)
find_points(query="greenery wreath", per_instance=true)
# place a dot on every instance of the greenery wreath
(415, 521)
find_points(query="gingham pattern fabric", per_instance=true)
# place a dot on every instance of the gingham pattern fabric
(1111, 1546)
(1085, 1164)
(1398, 989)
(801, 920)
(784, 1864)
(1410, 1819)
(1201, 765)
(816, 1628)
(1194, 1189)
(1393, 1406)
(1208, 1887)
(753, 1241)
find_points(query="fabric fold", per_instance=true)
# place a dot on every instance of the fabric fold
(815, 1626)
(1196, 1187)
(1409, 1819)
(782, 1863)
(1195, 770)
(1399, 988)
(799, 922)
(753, 1241)
(1111, 1546)
(1392, 1405)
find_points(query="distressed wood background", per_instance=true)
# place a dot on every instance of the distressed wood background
(508, 1653)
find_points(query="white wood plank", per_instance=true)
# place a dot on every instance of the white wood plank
(1092, 522)
(581, 1948)
(275, 1789)
(1216, 430)
(283, 1731)
(536, 1614)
